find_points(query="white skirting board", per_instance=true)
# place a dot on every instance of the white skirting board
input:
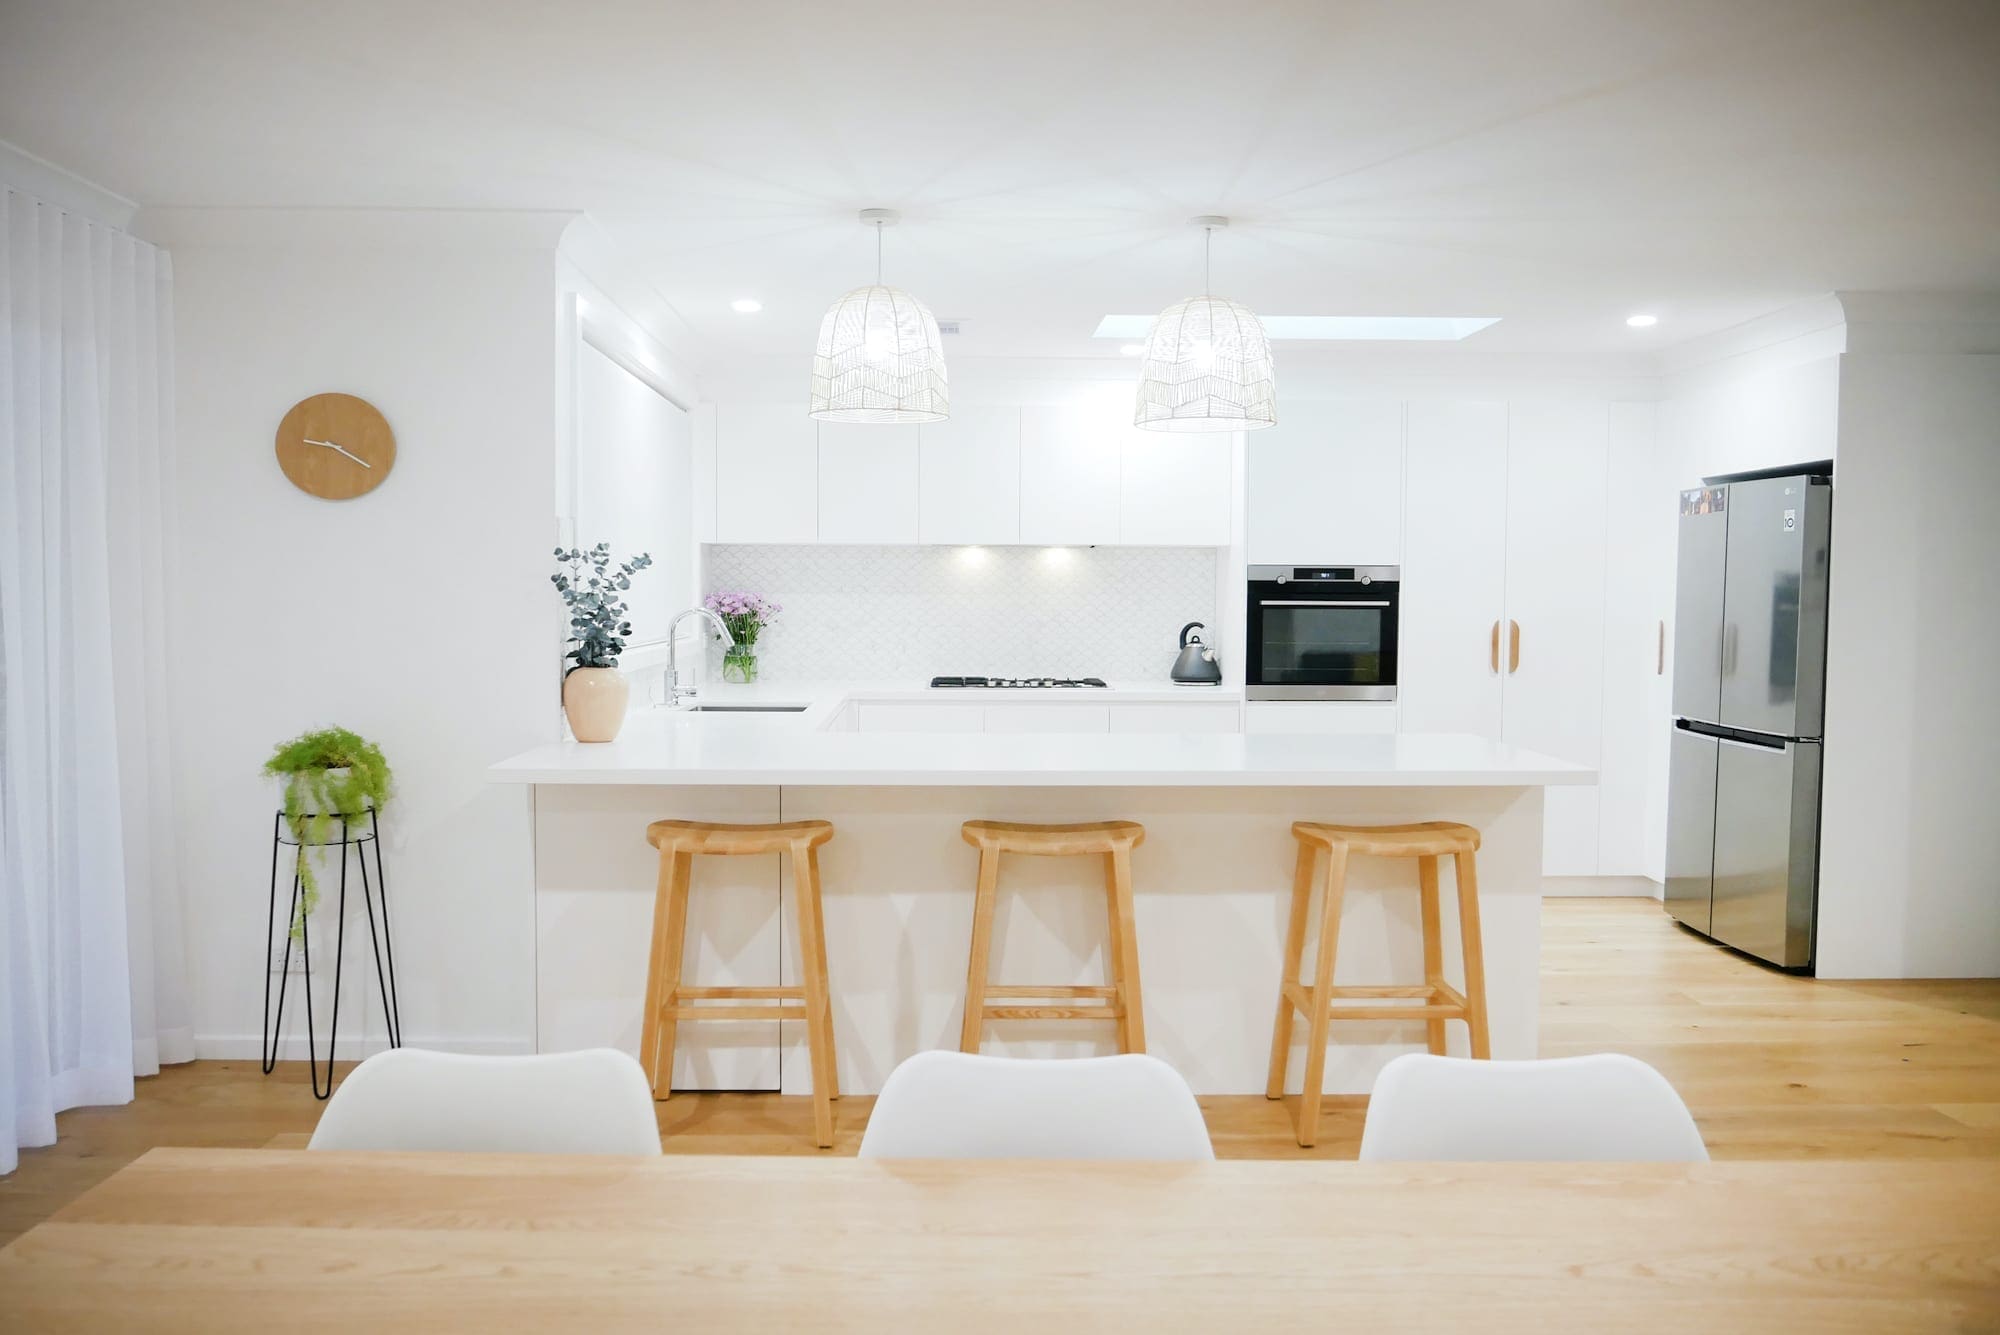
(353, 1047)
(1600, 887)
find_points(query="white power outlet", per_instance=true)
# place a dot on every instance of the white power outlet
(279, 963)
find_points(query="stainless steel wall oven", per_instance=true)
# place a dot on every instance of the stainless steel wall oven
(1322, 633)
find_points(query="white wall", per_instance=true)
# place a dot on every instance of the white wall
(1908, 886)
(419, 615)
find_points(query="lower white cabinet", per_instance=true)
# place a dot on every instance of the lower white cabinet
(1047, 718)
(889, 716)
(1027, 716)
(1204, 716)
(1320, 717)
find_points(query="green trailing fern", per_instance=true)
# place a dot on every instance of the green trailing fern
(318, 794)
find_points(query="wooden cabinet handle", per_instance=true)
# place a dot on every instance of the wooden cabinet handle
(1660, 653)
(1513, 647)
(1493, 650)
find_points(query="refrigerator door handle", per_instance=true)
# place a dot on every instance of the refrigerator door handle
(1660, 652)
(1729, 649)
(1775, 744)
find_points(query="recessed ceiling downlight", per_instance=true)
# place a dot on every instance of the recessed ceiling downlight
(746, 305)
(1642, 321)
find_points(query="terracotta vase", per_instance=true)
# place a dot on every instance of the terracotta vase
(594, 699)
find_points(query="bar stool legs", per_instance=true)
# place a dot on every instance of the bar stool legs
(1437, 1000)
(1120, 1000)
(669, 1001)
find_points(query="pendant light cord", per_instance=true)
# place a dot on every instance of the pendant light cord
(878, 254)
(1207, 235)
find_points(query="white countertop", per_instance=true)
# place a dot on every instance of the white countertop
(663, 747)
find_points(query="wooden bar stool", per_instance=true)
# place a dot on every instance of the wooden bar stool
(1436, 1000)
(668, 1001)
(1120, 1000)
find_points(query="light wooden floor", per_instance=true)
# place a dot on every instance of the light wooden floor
(1774, 1067)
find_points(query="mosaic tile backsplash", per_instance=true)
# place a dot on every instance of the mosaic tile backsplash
(895, 613)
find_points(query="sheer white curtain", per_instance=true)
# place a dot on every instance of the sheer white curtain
(92, 962)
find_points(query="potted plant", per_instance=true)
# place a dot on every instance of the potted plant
(594, 691)
(746, 615)
(331, 775)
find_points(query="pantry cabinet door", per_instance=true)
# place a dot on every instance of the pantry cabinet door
(1325, 485)
(1071, 459)
(970, 478)
(1454, 569)
(867, 483)
(1556, 490)
(766, 473)
(1641, 511)
(1174, 489)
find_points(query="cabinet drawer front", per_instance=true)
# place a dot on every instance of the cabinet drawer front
(882, 716)
(1208, 716)
(1047, 718)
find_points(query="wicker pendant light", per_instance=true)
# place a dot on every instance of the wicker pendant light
(1207, 363)
(879, 358)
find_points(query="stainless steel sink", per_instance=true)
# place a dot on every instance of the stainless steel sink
(747, 709)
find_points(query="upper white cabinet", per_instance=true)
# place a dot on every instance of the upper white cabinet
(1069, 475)
(1326, 485)
(970, 478)
(1174, 489)
(1072, 459)
(867, 483)
(766, 474)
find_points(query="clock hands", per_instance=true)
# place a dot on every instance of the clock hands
(337, 450)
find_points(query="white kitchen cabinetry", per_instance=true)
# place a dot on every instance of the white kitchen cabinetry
(1503, 628)
(1029, 716)
(970, 478)
(1556, 459)
(1047, 718)
(867, 483)
(1325, 485)
(1454, 590)
(1207, 716)
(889, 716)
(1641, 521)
(1071, 461)
(766, 474)
(1320, 717)
(1174, 489)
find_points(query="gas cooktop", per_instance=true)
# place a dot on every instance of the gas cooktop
(1017, 682)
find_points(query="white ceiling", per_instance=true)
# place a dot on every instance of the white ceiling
(1559, 163)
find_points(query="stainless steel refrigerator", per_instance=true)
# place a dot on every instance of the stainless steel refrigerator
(1749, 683)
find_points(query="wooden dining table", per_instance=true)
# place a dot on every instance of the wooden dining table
(295, 1241)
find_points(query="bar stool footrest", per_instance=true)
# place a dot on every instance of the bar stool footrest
(1044, 992)
(1054, 1012)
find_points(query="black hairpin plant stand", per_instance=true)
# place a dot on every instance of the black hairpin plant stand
(377, 888)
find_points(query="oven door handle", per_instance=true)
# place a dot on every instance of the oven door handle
(1309, 602)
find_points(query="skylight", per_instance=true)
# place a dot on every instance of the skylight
(1404, 328)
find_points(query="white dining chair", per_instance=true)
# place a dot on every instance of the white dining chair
(590, 1102)
(1450, 1109)
(957, 1105)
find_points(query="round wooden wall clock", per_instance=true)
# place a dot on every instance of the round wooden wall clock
(336, 446)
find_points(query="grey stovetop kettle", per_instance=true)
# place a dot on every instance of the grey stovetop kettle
(1196, 666)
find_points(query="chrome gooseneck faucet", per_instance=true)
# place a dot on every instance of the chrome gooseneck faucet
(675, 691)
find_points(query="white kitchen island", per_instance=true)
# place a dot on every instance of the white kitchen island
(1212, 882)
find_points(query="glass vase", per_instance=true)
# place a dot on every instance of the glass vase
(739, 665)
